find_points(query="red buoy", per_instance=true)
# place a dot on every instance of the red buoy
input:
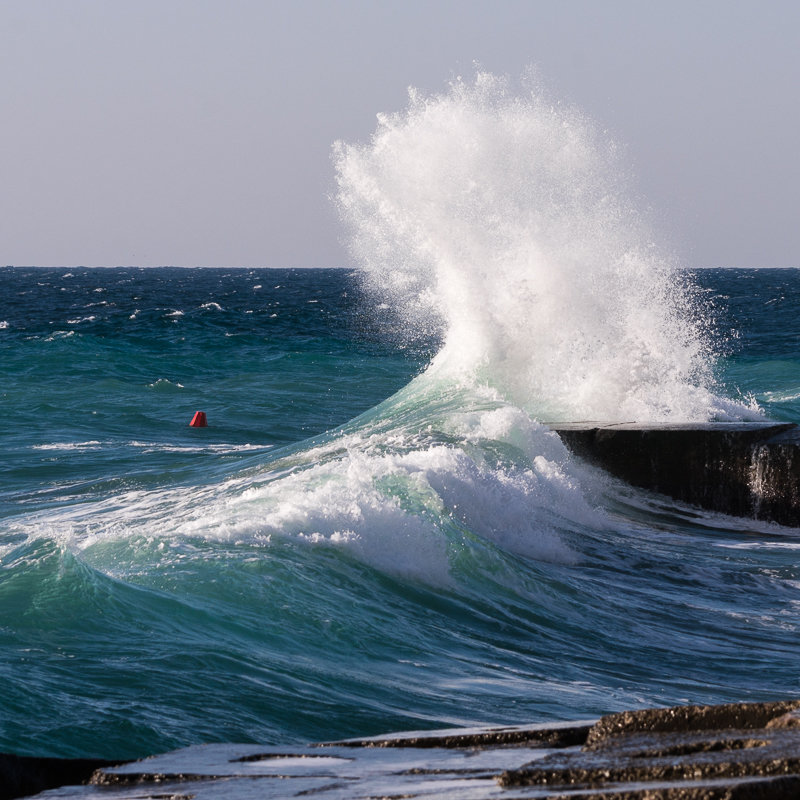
(199, 420)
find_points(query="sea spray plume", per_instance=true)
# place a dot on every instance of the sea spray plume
(502, 219)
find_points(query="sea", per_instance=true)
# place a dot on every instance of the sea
(378, 530)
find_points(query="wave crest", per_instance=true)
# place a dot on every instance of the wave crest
(503, 220)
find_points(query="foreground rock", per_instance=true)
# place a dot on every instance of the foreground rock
(692, 753)
(748, 469)
(740, 751)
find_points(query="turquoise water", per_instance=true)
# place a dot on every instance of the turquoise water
(363, 539)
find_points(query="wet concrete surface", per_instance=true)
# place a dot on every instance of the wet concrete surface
(730, 752)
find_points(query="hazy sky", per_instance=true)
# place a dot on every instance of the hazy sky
(198, 132)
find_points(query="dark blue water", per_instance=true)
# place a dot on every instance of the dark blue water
(358, 542)
(757, 312)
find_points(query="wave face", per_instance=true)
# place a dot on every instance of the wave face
(504, 219)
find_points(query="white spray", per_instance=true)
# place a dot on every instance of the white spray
(504, 219)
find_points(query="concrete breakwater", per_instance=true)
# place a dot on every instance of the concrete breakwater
(738, 751)
(748, 469)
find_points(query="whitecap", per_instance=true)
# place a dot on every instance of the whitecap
(90, 445)
(165, 383)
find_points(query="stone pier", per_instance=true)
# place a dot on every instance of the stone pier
(746, 469)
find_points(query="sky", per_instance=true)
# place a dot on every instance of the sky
(199, 132)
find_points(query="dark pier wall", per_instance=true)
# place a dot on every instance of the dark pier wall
(743, 469)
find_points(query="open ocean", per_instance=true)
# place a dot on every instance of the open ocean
(377, 531)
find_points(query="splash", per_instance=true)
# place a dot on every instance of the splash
(503, 220)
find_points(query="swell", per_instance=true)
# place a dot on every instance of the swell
(151, 635)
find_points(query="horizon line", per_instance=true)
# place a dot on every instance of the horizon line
(298, 266)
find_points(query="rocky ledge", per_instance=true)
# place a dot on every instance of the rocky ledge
(742, 751)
